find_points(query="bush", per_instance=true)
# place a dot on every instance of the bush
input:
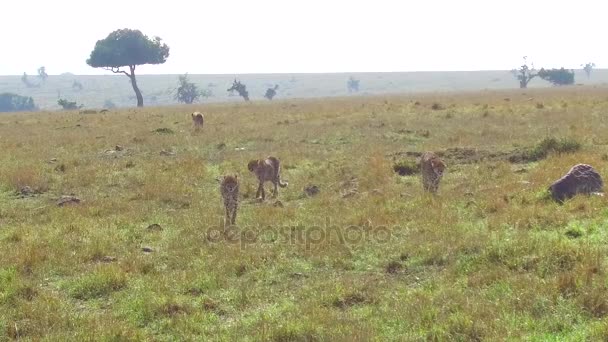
(552, 145)
(67, 105)
(10, 102)
(557, 76)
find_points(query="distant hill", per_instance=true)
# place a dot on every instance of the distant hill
(98, 91)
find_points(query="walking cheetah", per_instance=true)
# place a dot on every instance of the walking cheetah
(431, 167)
(229, 188)
(267, 170)
(198, 120)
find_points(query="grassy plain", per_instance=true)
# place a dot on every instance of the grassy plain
(370, 257)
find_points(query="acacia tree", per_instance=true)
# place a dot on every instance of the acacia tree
(42, 74)
(187, 92)
(239, 88)
(128, 48)
(588, 67)
(352, 85)
(525, 74)
(271, 92)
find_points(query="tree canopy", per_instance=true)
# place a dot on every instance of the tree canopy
(128, 48)
(557, 76)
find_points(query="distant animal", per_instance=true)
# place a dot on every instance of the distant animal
(229, 187)
(581, 179)
(431, 168)
(267, 170)
(198, 120)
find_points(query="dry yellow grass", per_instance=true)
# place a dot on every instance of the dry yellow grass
(371, 257)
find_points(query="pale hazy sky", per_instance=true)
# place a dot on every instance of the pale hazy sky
(246, 36)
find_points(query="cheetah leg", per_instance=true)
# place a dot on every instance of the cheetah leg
(233, 220)
(260, 189)
(275, 191)
(263, 191)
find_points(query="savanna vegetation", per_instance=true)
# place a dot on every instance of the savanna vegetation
(351, 250)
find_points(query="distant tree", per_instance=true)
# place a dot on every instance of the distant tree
(206, 93)
(25, 79)
(108, 104)
(10, 102)
(588, 68)
(557, 77)
(42, 74)
(67, 105)
(77, 86)
(525, 73)
(271, 92)
(239, 88)
(128, 48)
(352, 85)
(187, 92)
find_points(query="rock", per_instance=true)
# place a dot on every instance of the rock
(311, 190)
(108, 259)
(298, 275)
(118, 148)
(68, 200)
(349, 193)
(154, 227)
(164, 130)
(581, 179)
(167, 153)
(27, 191)
(147, 249)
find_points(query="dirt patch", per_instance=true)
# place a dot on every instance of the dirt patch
(464, 155)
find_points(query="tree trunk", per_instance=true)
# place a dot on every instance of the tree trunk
(523, 84)
(140, 98)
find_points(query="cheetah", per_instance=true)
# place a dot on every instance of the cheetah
(229, 188)
(267, 170)
(198, 120)
(431, 167)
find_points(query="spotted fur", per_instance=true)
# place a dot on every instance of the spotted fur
(229, 188)
(581, 179)
(267, 170)
(432, 168)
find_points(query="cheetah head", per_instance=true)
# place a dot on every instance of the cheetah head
(438, 167)
(231, 183)
(253, 165)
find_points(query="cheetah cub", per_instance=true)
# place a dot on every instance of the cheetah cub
(229, 188)
(267, 170)
(432, 168)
